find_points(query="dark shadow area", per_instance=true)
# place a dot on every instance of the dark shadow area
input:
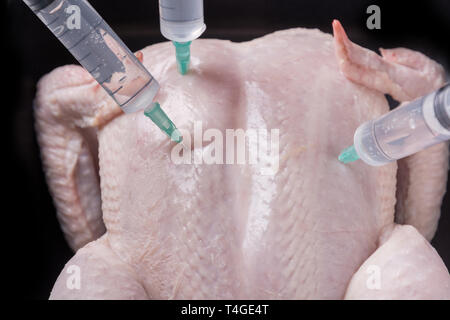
(38, 249)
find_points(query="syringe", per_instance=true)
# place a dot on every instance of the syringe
(101, 52)
(403, 131)
(181, 22)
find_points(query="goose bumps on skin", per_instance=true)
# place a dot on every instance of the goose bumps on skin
(146, 228)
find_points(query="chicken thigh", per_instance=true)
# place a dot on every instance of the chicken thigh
(144, 227)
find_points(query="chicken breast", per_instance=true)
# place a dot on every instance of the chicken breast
(229, 231)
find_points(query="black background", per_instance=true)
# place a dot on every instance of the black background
(36, 249)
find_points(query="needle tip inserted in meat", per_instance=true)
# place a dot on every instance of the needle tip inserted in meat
(101, 52)
(403, 131)
(348, 155)
(183, 55)
(159, 117)
(181, 22)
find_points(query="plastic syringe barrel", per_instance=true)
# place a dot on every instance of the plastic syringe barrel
(181, 20)
(405, 130)
(99, 50)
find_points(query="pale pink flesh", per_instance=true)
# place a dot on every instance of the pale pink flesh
(408, 266)
(70, 108)
(406, 75)
(224, 231)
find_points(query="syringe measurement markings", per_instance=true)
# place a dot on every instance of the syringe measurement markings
(36, 7)
(52, 21)
(113, 93)
(84, 37)
(106, 80)
(95, 68)
(65, 31)
(134, 95)
(88, 54)
(76, 44)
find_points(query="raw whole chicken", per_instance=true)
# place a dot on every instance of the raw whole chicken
(144, 227)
